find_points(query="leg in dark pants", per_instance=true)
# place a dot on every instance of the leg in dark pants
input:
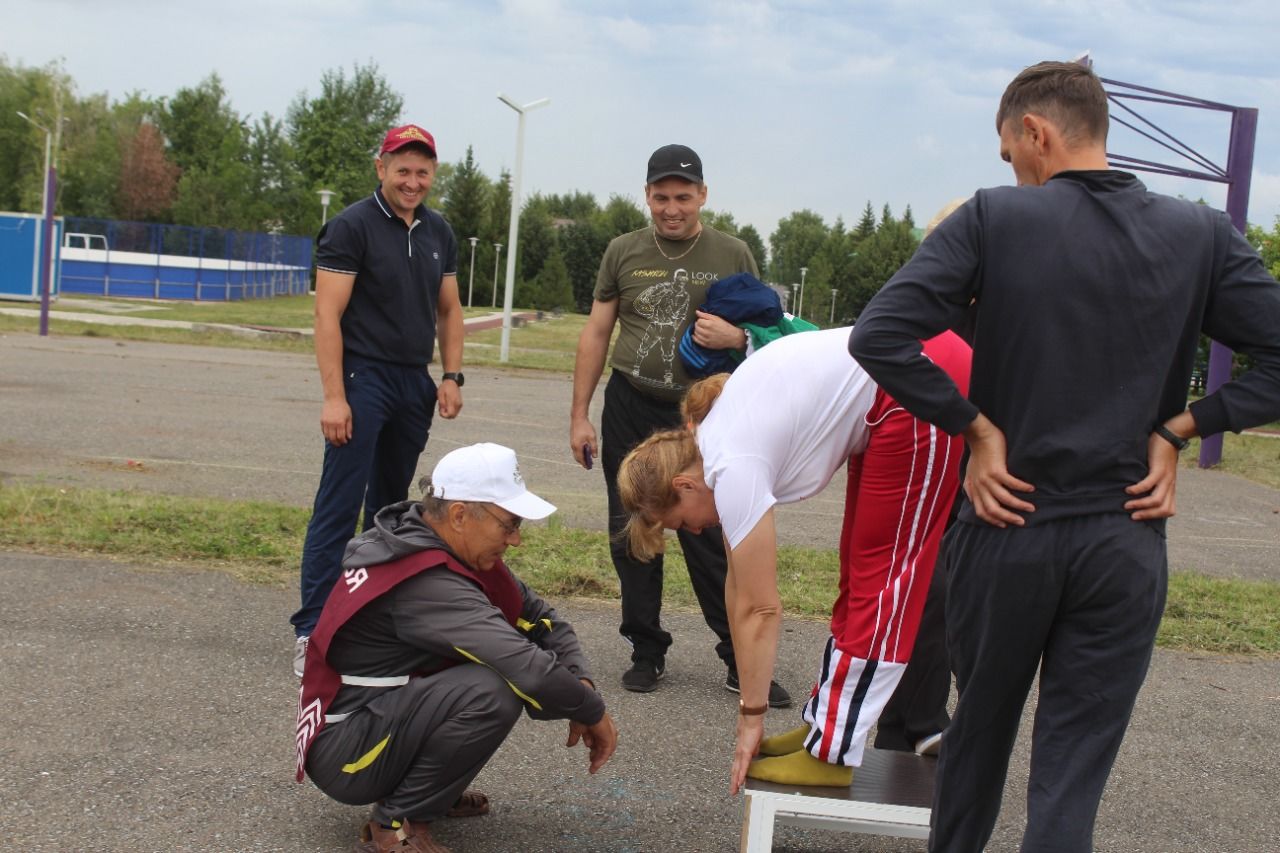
(1001, 600)
(415, 749)
(400, 444)
(375, 392)
(708, 569)
(1067, 589)
(1095, 661)
(628, 418)
(918, 707)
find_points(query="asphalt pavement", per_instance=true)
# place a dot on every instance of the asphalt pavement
(152, 709)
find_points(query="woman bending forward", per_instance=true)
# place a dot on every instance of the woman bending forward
(775, 432)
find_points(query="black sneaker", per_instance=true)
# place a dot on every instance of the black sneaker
(778, 696)
(643, 676)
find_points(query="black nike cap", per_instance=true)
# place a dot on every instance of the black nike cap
(675, 161)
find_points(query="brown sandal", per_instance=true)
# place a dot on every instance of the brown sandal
(470, 804)
(409, 838)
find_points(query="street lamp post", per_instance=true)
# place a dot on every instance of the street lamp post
(497, 255)
(832, 321)
(471, 277)
(46, 211)
(513, 230)
(325, 197)
(800, 304)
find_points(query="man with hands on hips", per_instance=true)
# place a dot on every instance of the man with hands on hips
(1090, 294)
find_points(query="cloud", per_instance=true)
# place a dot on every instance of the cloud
(793, 103)
(1264, 195)
(627, 34)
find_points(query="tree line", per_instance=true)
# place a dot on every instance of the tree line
(562, 238)
(189, 158)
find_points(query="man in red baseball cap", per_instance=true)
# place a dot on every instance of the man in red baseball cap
(409, 134)
(386, 284)
(407, 187)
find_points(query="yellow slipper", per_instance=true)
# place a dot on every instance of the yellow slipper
(785, 743)
(800, 768)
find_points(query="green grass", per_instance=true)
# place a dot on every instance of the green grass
(1254, 457)
(72, 328)
(561, 561)
(1220, 615)
(285, 312)
(550, 344)
(253, 540)
(260, 542)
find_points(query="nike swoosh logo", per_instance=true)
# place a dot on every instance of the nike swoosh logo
(685, 165)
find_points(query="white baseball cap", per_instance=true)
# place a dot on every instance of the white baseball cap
(488, 473)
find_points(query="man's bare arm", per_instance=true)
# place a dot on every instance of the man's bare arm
(333, 293)
(588, 365)
(449, 334)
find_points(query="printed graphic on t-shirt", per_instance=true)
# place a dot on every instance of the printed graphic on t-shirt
(665, 306)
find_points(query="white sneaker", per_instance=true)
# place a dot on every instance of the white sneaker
(929, 745)
(299, 655)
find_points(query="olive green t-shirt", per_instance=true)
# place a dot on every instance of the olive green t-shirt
(657, 299)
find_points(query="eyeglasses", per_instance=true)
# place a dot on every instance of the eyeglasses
(511, 528)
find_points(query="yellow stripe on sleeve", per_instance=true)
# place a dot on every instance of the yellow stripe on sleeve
(514, 689)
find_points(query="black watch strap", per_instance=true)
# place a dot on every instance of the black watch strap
(456, 377)
(1169, 436)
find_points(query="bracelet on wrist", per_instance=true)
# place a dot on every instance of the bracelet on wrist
(1171, 437)
(747, 711)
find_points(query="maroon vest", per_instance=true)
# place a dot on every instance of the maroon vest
(355, 589)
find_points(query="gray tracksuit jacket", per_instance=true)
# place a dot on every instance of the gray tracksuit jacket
(440, 617)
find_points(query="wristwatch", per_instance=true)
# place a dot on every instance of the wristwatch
(1172, 437)
(455, 376)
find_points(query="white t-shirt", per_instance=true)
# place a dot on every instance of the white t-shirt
(790, 416)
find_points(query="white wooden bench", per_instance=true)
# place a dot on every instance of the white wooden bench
(890, 795)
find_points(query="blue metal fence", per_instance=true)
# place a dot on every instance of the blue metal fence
(106, 257)
(20, 255)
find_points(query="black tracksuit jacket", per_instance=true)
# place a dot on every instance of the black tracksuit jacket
(1085, 298)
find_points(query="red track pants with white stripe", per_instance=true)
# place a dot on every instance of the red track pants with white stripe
(897, 501)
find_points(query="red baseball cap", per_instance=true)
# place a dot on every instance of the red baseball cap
(409, 134)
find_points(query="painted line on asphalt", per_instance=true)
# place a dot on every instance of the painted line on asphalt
(198, 464)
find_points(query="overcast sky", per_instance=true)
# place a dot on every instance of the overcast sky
(803, 104)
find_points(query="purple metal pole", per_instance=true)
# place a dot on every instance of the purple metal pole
(46, 250)
(1244, 130)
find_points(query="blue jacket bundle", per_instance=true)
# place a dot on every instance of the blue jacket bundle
(740, 299)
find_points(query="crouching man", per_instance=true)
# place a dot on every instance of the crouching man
(427, 651)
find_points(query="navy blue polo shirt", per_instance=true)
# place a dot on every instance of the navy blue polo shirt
(398, 269)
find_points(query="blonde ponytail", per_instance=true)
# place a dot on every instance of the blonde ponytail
(644, 486)
(700, 397)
